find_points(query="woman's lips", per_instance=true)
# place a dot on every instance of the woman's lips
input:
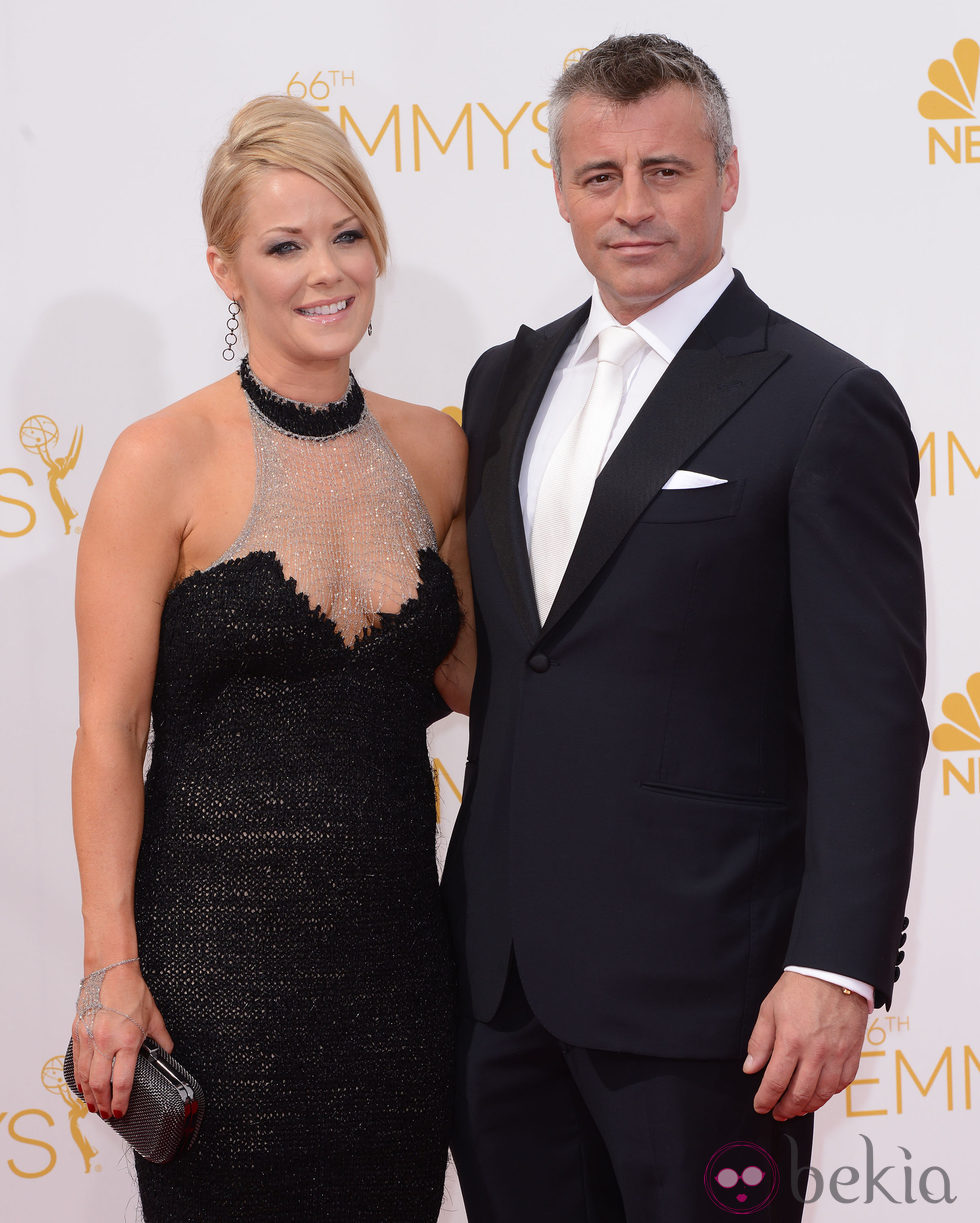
(324, 311)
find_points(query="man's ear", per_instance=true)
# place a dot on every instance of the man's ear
(559, 197)
(223, 272)
(730, 181)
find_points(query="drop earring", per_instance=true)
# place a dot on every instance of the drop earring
(371, 327)
(231, 330)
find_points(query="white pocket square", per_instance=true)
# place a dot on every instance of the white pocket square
(692, 479)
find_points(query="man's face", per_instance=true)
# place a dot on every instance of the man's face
(641, 191)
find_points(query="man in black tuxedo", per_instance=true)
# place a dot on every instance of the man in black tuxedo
(677, 880)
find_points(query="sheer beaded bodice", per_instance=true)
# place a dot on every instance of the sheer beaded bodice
(336, 504)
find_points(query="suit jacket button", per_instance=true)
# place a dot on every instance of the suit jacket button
(539, 663)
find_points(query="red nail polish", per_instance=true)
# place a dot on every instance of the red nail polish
(104, 1116)
(91, 1108)
(117, 1113)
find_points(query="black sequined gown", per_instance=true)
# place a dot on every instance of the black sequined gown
(287, 908)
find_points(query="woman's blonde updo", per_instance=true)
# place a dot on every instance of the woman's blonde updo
(284, 132)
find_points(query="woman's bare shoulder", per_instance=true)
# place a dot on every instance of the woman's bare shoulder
(182, 433)
(419, 426)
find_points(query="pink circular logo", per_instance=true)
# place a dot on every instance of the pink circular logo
(741, 1178)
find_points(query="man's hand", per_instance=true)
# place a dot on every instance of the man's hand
(810, 1033)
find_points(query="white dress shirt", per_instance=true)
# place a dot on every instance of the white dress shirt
(665, 328)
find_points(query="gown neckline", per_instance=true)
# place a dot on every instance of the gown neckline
(293, 416)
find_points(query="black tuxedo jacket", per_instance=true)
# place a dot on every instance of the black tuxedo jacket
(704, 766)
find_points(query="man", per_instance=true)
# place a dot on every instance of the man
(678, 877)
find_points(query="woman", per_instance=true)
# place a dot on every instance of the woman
(272, 566)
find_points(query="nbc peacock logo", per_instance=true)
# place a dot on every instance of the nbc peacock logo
(954, 98)
(960, 734)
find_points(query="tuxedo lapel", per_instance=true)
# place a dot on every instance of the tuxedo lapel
(533, 359)
(722, 364)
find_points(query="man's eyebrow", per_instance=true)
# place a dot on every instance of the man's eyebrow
(602, 164)
(668, 159)
(661, 159)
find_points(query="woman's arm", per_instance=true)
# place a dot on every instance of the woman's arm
(128, 556)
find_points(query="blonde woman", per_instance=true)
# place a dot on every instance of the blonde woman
(275, 569)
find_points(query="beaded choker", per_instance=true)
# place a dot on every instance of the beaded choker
(303, 419)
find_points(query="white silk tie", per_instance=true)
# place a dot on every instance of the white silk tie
(566, 487)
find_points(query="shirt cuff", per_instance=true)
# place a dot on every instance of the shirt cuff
(857, 987)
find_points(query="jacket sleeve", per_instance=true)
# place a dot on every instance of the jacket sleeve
(858, 605)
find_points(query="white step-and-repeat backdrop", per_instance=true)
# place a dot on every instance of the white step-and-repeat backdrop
(859, 135)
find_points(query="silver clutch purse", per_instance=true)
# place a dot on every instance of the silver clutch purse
(166, 1105)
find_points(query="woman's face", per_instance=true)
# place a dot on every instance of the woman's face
(304, 272)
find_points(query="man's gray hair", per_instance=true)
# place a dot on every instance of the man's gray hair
(628, 69)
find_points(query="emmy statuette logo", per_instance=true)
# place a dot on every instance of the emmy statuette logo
(39, 435)
(53, 1078)
(31, 1137)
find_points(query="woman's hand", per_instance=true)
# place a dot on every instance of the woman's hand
(116, 1012)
